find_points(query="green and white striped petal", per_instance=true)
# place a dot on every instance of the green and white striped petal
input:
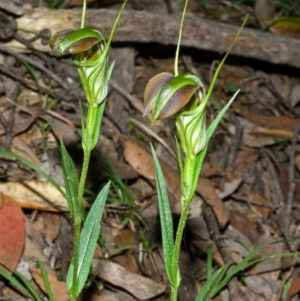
(191, 129)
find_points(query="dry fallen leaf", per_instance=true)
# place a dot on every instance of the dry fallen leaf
(280, 123)
(106, 295)
(12, 232)
(51, 221)
(268, 288)
(207, 191)
(35, 195)
(141, 287)
(263, 211)
(294, 289)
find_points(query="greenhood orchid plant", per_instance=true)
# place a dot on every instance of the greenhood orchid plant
(90, 54)
(182, 96)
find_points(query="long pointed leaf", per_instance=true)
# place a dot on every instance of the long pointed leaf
(71, 181)
(46, 281)
(165, 217)
(16, 283)
(210, 283)
(209, 133)
(237, 268)
(29, 286)
(87, 243)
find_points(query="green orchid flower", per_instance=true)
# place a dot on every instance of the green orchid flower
(89, 50)
(184, 97)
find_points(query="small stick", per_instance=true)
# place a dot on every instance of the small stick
(290, 197)
(251, 202)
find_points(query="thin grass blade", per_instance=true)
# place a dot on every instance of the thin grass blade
(29, 287)
(16, 283)
(209, 132)
(46, 281)
(210, 283)
(236, 269)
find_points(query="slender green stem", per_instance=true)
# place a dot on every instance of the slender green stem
(83, 14)
(114, 29)
(179, 40)
(186, 198)
(178, 240)
(187, 180)
(84, 170)
(80, 217)
(90, 128)
(77, 229)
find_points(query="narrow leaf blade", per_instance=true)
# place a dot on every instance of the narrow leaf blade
(15, 282)
(217, 120)
(165, 217)
(46, 281)
(210, 283)
(71, 180)
(29, 286)
(87, 243)
(209, 133)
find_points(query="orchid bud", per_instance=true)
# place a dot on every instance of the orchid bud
(88, 47)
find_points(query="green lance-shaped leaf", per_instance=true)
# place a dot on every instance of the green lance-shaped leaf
(165, 219)
(201, 155)
(71, 183)
(21, 284)
(205, 291)
(87, 244)
(165, 94)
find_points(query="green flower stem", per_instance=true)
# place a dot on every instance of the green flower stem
(85, 166)
(187, 180)
(177, 246)
(83, 14)
(91, 126)
(77, 230)
(79, 219)
(186, 198)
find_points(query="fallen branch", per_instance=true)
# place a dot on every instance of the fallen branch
(145, 27)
